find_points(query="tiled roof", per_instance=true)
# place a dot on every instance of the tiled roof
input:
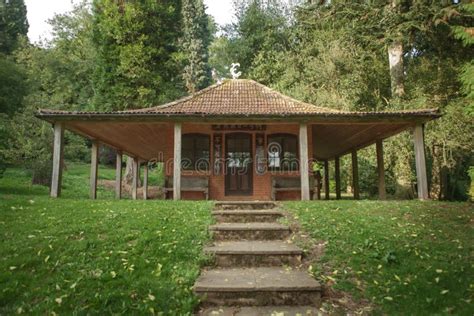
(239, 98)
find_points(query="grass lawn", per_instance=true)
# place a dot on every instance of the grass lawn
(73, 255)
(407, 257)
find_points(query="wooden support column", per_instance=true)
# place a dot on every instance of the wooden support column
(94, 169)
(58, 149)
(326, 180)
(145, 180)
(177, 162)
(304, 163)
(380, 169)
(422, 182)
(135, 175)
(355, 175)
(118, 175)
(337, 176)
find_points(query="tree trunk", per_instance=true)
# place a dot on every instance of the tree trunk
(444, 181)
(395, 59)
(436, 165)
(129, 172)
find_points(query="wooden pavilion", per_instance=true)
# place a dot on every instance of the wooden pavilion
(238, 140)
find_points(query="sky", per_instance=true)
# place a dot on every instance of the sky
(39, 11)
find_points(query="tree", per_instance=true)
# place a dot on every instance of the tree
(58, 77)
(138, 59)
(12, 86)
(137, 47)
(260, 26)
(13, 24)
(395, 55)
(195, 45)
(465, 33)
(334, 53)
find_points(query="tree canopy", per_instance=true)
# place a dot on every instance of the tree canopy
(350, 55)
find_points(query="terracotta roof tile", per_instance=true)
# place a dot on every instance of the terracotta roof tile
(238, 97)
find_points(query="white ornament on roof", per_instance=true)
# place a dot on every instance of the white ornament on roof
(233, 71)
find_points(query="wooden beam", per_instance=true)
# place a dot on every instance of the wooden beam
(355, 175)
(381, 169)
(337, 176)
(58, 149)
(177, 162)
(135, 175)
(326, 179)
(145, 180)
(420, 162)
(118, 175)
(304, 163)
(94, 169)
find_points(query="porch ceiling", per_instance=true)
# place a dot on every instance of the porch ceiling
(145, 140)
(332, 140)
(148, 140)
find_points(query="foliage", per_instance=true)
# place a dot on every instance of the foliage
(58, 78)
(13, 24)
(12, 86)
(13, 89)
(194, 45)
(137, 46)
(466, 35)
(334, 54)
(79, 256)
(4, 135)
(261, 26)
(402, 256)
(221, 57)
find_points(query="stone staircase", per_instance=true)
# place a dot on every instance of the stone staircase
(255, 270)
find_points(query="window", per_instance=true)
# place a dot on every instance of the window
(283, 152)
(195, 153)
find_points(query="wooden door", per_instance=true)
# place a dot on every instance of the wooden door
(238, 154)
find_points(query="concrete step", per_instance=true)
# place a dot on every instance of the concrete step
(255, 253)
(260, 311)
(244, 205)
(246, 216)
(249, 231)
(257, 287)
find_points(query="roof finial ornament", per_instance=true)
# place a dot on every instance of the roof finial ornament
(233, 71)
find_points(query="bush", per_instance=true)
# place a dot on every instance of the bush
(75, 148)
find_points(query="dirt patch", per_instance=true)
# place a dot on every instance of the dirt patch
(154, 192)
(334, 302)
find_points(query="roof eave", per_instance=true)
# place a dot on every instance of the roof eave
(420, 116)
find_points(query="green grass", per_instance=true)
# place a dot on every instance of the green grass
(76, 256)
(407, 257)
